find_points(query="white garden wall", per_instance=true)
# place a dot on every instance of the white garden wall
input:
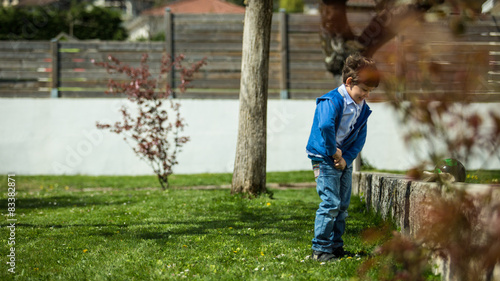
(58, 136)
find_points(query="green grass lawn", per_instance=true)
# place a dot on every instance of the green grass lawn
(483, 176)
(78, 230)
(175, 180)
(127, 228)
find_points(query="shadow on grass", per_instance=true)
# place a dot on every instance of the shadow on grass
(229, 216)
(62, 202)
(264, 222)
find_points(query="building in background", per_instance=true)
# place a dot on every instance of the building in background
(151, 22)
(197, 7)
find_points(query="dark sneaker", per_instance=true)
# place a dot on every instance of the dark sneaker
(322, 256)
(340, 253)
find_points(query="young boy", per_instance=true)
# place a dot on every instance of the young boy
(337, 136)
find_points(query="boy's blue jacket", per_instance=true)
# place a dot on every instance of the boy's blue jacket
(322, 140)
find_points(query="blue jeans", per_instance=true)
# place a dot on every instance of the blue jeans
(334, 189)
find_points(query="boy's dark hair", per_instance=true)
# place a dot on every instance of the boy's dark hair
(362, 70)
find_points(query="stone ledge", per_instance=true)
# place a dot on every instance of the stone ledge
(399, 199)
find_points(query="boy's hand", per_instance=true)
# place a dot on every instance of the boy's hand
(337, 154)
(340, 164)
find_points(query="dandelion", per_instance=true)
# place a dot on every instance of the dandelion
(268, 204)
(85, 250)
(185, 246)
(66, 187)
(261, 253)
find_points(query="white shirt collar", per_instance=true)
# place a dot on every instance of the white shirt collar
(347, 97)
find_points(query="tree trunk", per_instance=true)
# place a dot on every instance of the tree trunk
(249, 174)
(338, 41)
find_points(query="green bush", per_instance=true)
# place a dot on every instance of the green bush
(99, 23)
(292, 6)
(237, 2)
(45, 23)
(29, 24)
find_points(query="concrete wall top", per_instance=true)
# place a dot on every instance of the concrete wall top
(58, 136)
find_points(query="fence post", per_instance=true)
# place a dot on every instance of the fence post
(169, 47)
(356, 164)
(54, 84)
(283, 22)
(400, 68)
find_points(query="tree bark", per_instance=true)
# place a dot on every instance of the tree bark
(336, 35)
(249, 174)
(338, 41)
